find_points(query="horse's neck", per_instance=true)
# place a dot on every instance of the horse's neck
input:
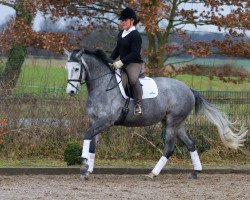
(98, 76)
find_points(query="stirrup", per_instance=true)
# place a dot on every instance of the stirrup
(137, 110)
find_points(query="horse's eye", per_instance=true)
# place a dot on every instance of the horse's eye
(76, 69)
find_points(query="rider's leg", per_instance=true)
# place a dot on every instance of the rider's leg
(134, 70)
(138, 98)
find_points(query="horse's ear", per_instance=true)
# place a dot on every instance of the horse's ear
(66, 52)
(79, 53)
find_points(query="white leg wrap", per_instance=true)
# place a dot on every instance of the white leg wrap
(161, 163)
(85, 149)
(91, 162)
(196, 160)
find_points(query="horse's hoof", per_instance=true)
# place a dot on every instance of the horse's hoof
(149, 177)
(85, 176)
(84, 168)
(193, 175)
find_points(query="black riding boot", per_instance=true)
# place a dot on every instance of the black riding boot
(137, 98)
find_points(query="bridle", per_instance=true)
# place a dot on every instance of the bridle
(83, 67)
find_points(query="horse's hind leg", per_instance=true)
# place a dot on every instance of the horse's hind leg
(190, 144)
(168, 151)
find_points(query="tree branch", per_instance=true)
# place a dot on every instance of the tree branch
(174, 55)
(184, 61)
(89, 8)
(194, 23)
(171, 20)
(107, 19)
(7, 4)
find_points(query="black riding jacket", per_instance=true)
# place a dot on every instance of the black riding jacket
(128, 48)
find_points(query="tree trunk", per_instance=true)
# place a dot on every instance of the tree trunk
(157, 40)
(152, 55)
(13, 67)
(155, 54)
(161, 53)
(16, 54)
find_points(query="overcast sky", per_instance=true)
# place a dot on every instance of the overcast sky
(6, 12)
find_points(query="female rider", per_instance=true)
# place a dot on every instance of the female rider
(128, 48)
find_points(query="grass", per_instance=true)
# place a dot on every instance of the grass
(44, 80)
(207, 160)
(240, 63)
(39, 75)
(37, 162)
(50, 80)
(34, 162)
(203, 83)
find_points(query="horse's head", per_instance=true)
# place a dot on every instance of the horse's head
(76, 68)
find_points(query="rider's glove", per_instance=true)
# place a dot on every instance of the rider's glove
(118, 64)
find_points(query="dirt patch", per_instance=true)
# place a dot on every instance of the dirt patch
(208, 186)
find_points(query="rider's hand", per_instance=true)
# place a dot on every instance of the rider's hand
(118, 64)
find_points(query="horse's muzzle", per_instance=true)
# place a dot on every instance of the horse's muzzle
(72, 93)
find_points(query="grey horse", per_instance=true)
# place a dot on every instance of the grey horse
(172, 106)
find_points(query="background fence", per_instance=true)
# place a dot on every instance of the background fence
(40, 126)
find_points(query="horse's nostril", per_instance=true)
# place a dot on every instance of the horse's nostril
(72, 92)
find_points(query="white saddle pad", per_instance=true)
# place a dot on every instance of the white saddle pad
(149, 87)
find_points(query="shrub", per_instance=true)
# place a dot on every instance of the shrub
(72, 153)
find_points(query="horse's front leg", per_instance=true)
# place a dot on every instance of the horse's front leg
(91, 161)
(88, 156)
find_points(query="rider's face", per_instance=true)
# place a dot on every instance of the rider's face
(127, 23)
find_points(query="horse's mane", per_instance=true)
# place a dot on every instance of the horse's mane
(99, 54)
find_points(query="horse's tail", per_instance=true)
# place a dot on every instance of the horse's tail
(225, 127)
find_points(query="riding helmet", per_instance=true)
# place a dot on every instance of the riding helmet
(128, 13)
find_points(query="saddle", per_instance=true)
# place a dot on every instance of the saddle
(148, 85)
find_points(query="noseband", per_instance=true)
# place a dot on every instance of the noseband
(82, 66)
